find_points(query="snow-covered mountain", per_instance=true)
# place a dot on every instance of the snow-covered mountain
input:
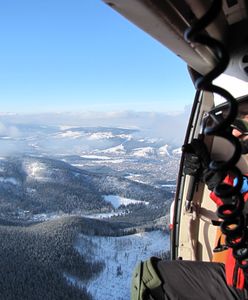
(164, 150)
(36, 187)
(121, 178)
(177, 151)
(144, 152)
(120, 255)
(110, 150)
(19, 138)
(119, 149)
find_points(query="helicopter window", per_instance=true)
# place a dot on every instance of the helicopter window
(233, 85)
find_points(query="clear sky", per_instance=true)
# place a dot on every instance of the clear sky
(60, 55)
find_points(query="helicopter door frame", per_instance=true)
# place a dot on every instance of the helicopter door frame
(189, 232)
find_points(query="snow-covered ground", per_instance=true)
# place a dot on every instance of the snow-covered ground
(100, 162)
(46, 217)
(119, 149)
(117, 201)
(101, 135)
(36, 170)
(9, 180)
(144, 152)
(120, 255)
(164, 150)
(70, 134)
(92, 156)
(107, 215)
(135, 177)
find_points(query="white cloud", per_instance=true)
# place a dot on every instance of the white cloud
(8, 131)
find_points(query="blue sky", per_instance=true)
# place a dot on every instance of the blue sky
(81, 55)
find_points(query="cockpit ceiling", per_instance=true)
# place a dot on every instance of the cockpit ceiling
(166, 21)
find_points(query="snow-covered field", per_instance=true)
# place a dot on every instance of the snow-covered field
(9, 180)
(107, 215)
(117, 201)
(120, 255)
(92, 156)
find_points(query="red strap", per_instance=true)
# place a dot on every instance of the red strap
(240, 279)
(216, 199)
(245, 195)
(230, 260)
(230, 271)
(230, 266)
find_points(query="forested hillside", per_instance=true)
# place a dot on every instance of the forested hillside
(72, 216)
(35, 259)
(39, 185)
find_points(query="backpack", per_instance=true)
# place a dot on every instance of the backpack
(146, 283)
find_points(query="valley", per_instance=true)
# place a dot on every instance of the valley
(81, 196)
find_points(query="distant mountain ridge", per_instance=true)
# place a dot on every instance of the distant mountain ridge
(19, 138)
(69, 169)
(35, 185)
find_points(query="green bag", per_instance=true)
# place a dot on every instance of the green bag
(145, 279)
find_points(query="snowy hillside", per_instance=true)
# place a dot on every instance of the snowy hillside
(120, 255)
(119, 149)
(144, 152)
(39, 188)
(164, 150)
(117, 201)
(177, 151)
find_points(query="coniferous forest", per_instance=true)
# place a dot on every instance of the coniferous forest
(35, 259)
(38, 257)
